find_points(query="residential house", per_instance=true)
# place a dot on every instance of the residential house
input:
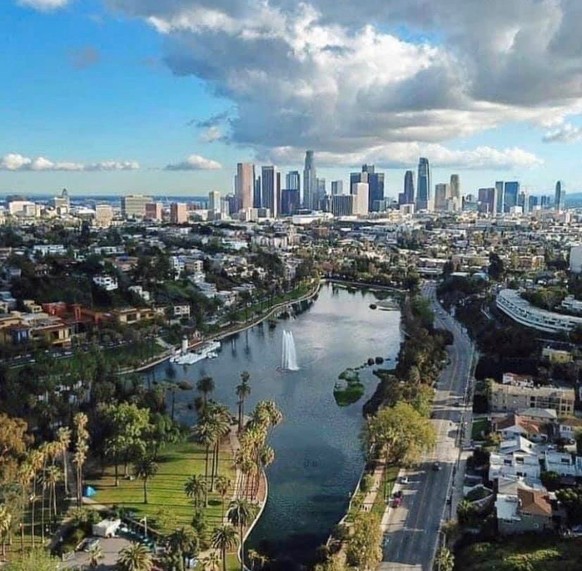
(513, 425)
(526, 510)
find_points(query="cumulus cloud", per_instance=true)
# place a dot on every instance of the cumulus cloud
(347, 77)
(212, 134)
(566, 133)
(194, 163)
(44, 5)
(17, 162)
(402, 155)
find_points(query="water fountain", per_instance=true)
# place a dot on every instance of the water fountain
(288, 354)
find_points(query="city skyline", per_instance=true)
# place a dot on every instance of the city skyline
(138, 97)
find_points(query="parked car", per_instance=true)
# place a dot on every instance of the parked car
(437, 467)
(404, 480)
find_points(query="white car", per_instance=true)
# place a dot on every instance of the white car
(404, 480)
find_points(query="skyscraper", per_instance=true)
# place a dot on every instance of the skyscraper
(423, 196)
(244, 185)
(408, 194)
(337, 187)
(214, 201)
(560, 196)
(499, 197)
(486, 200)
(309, 180)
(441, 195)
(271, 189)
(360, 190)
(510, 195)
(455, 192)
(293, 180)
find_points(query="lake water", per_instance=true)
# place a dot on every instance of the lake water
(318, 456)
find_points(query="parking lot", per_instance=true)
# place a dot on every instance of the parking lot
(110, 547)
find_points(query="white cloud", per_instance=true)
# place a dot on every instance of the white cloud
(44, 5)
(212, 134)
(194, 163)
(17, 162)
(566, 133)
(403, 155)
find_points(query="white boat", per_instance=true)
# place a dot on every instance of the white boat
(208, 351)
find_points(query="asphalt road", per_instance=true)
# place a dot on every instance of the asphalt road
(412, 530)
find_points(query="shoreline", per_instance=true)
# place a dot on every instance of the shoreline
(222, 335)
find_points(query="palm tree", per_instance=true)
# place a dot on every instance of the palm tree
(182, 542)
(64, 440)
(242, 392)
(95, 555)
(205, 433)
(222, 487)
(221, 419)
(445, 560)
(52, 476)
(240, 513)
(135, 557)
(5, 526)
(80, 421)
(195, 488)
(145, 468)
(253, 556)
(205, 385)
(211, 562)
(224, 539)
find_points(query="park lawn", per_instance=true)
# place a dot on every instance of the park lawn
(166, 491)
(385, 491)
(535, 552)
(480, 425)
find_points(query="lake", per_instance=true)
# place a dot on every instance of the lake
(318, 456)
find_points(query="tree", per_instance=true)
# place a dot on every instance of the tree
(205, 386)
(195, 489)
(14, 440)
(52, 476)
(222, 486)
(550, 480)
(445, 560)
(243, 390)
(241, 513)
(399, 434)
(5, 526)
(211, 562)
(95, 555)
(224, 539)
(135, 557)
(182, 542)
(145, 468)
(64, 435)
(364, 546)
(37, 559)
(80, 421)
(496, 267)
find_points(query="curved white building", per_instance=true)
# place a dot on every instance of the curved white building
(512, 304)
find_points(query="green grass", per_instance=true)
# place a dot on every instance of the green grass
(535, 552)
(351, 390)
(387, 483)
(479, 425)
(166, 490)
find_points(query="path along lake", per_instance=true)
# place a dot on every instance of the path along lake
(318, 456)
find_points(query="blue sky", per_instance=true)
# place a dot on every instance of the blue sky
(111, 97)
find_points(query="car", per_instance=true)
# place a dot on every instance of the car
(437, 467)
(397, 494)
(404, 480)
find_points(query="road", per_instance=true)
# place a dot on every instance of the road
(412, 530)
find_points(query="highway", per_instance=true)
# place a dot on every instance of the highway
(412, 530)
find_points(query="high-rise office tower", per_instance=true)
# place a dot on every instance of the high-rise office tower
(560, 196)
(257, 198)
(320, 193)
(423, 194)
(510, 195)
(178, 213)
(134, 205)
(337, 187)
(486, 200)
(343, 204)
(455, 191)
(290, 200)
(293, 180)
(309, 180)
(523, 201)
(271, 190)
(244, 185)
(361, 190)
(441, 195)
(375, 183)
(214, 201)
(532, 203)
(408, 194)
(499, 197)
